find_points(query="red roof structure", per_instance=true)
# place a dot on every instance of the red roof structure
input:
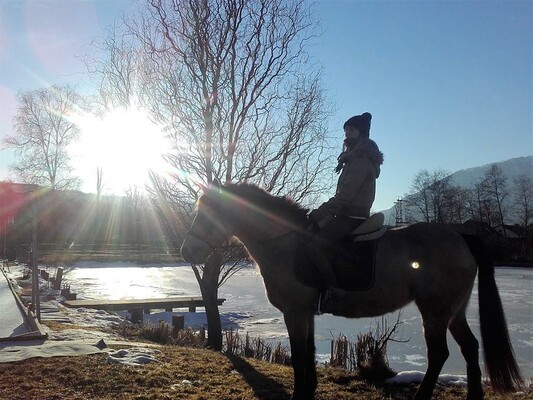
(13, 198)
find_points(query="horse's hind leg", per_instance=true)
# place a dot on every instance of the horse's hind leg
(437, 354)
(469, 349)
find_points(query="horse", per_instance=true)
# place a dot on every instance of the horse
(429, 264)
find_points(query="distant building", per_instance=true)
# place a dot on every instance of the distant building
(509, 231)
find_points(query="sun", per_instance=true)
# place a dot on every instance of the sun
(125, 144)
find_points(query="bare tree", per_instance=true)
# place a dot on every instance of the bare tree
(43, 133)
(136, 206)
(442, 196)
(523, 197)
(497, 191)
(459, 204)
(419, 198)
(99, 182)
(241, 100)
(432, 197)
(475, 200)
(481, 204)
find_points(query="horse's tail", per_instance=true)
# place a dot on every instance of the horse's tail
(500, 362)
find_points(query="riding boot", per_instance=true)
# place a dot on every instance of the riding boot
(332, 294)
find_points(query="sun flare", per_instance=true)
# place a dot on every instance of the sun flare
(125, 144)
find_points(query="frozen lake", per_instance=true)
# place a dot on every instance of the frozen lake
(247, 309)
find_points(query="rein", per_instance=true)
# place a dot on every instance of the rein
(276, 237)
(207, 239)
(201, 238)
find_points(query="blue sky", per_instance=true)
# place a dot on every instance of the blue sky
(449, 83)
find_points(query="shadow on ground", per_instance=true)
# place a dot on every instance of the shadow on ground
(264, 387)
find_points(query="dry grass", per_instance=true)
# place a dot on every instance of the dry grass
(185, 373)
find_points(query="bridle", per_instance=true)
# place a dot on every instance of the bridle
(206, 239)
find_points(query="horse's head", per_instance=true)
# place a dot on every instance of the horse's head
(207, 231)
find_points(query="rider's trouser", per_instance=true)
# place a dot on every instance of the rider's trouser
(321, 247)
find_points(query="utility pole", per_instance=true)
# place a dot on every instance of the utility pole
(398, 208)
(36, 298)
(5, 239)
(8, 221)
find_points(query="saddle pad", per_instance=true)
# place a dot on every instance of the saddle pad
(372, 235)
(353, 265)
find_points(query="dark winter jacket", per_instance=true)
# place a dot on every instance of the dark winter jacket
(356, 187)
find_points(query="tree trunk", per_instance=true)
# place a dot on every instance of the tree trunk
(208, 283)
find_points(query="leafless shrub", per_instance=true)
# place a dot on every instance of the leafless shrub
(371, 350)
(281, 355)
(189, 338)
(342, 353)
(162, 333)
(255, 348)
(368, 354)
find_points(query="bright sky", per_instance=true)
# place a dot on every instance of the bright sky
(449, 83)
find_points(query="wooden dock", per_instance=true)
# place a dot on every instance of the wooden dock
(138, 306)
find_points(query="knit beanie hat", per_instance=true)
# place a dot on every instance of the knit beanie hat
(361, 122)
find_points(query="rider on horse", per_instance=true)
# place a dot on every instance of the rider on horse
(359, 167)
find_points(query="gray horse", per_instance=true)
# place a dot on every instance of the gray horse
(430, 264)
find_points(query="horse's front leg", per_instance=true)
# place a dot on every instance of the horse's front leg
(301, 329)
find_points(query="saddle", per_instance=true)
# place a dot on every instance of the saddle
(372, 228)
(354, 259)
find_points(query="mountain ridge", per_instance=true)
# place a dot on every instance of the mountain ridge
(511, 168)
(467, 177)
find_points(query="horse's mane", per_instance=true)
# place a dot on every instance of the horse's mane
(282, 206)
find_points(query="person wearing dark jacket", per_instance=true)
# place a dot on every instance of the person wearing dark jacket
(359, 167)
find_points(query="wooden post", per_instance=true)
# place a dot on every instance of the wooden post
(71, 296)
(44, 274)
(59, 277)
(178, 323)
(136, 315)
(65, 291)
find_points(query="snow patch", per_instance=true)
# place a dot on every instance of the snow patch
(133, 356)
(407, 377)
(184, 383)
(415, 359)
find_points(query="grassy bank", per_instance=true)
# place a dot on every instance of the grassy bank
(185, 373)
(188, 373)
